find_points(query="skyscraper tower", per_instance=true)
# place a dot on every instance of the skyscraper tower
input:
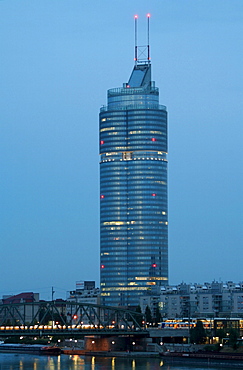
(133, 188)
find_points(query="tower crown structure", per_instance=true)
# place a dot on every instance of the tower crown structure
(133, 186)
(142, 53)
(141, 76)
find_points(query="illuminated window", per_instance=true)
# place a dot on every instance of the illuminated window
(112, 153)
(127, 156)
(107, 129)
(150, 278)
(126, 288)
(114, 223)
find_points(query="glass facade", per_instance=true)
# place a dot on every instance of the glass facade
(133, 191)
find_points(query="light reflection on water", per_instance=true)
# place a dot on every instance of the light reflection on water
(75, 362)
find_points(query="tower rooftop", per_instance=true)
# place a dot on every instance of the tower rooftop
(141, 75)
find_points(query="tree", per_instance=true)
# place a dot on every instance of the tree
(233, 338)
(139, 318)
(148, 315)
(157, 318)
(198, 334)
(221, 333)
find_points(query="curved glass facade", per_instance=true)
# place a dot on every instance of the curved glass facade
(133, 194)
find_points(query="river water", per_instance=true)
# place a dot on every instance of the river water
(75, 362)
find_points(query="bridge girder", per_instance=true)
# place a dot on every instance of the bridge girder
(63, 318)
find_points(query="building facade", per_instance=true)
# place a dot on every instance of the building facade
(22, 311)
(208, 300)
(85, 293)
(133, 190)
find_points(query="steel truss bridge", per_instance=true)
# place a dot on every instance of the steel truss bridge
(68, 319)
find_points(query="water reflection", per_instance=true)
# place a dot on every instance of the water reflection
(59, 363)
(113, 363)
(117, 363)
(75, 362)
(93, 363)
(50, 363)
(21, 365)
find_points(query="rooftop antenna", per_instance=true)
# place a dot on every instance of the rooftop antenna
(136, 41)
(148, 17)
(142, 53)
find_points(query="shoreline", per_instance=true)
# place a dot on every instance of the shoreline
(163, 355)
(184, 359)
(205, 355)
(232, 361)
(110, 353)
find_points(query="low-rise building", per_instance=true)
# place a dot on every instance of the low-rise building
(85, 293)
(209, 300)
(20, 310)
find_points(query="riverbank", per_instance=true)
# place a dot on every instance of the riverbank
(166, 356)
(205, 355)
(125, 354)
(232, 360)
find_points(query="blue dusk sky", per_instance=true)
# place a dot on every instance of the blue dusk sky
(58, 58)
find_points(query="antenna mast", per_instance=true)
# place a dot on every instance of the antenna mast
(148, 16)
(136, 41)
(142, 53)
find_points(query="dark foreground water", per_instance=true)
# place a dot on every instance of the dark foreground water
(65, 362)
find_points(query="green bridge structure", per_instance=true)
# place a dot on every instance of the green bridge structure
(65, 319)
